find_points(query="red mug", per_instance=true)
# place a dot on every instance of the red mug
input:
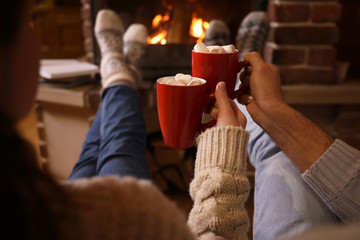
(180, 111)
(216, 67)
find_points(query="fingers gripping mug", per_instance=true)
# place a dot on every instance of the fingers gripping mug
(180, 111)
(216, 67)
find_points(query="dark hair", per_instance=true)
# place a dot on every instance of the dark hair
(28, 195)
(29, 198)
(10, 16)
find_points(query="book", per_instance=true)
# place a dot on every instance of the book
(65, 83)
(65, 69)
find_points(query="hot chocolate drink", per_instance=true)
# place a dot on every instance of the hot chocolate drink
(181, 80)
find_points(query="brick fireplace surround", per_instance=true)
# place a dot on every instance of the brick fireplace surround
(302, 42)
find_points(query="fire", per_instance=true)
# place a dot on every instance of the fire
(158, 19)
(162, 22)
(158, 38)
(160, 25)
(198, 28)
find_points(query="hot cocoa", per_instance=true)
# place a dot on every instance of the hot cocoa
(181, 80)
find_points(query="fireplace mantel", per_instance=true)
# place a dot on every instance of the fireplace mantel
(339, 94)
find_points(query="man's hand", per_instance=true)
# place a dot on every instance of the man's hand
(263, 80)
(299, 138)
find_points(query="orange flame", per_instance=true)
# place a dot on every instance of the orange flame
(198, 28)
(158, 38)
(160, 25)
(159, 19)
(160, 35)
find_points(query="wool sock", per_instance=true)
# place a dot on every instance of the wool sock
(218, 33)
(252, 33)
(109, 35)
(135, 45)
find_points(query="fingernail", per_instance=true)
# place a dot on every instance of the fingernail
(221, 85)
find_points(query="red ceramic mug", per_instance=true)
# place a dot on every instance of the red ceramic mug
(180, 111)
(216, 67)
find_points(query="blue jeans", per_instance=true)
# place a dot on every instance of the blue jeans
(116, 141)
(283, 204)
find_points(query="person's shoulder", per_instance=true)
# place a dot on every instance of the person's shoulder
(111, 183)
(124, 196)
(127, 191)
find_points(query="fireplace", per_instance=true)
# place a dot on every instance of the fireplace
(302, 38)
(173, 54)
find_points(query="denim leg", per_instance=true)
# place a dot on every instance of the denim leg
(283, 204)
(122, 134)
(86, 165)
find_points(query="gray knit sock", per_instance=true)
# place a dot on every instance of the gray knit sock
(135, 45)
(113, 68)
(218, 33)
(252, 33)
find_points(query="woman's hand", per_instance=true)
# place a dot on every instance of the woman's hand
(225, 110)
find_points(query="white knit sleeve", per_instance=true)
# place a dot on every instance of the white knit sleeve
(220, 186)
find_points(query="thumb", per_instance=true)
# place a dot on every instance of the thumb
(221, 96)
(254, 58)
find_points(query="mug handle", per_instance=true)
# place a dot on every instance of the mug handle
(242, 89)
(209, 105)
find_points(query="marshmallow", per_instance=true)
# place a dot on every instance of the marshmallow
(200, 47)
(194, 82)
(167, 80)
(184, 78)
(229, 48)
(177, 83)
(181, 80)
(216, 49)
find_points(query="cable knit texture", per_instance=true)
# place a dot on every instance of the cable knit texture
(220, 187)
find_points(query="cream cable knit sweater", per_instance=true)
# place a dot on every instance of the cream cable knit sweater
(125, 208)
(220, 186)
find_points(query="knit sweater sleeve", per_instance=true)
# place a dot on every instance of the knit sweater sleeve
(335, 177)
(220, 186)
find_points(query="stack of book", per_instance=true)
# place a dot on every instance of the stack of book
(67, 72)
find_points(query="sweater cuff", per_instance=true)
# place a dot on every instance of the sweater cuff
(333, 171)
(222, 147)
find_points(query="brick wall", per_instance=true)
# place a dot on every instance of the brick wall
(304, 42)
(302, 39)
